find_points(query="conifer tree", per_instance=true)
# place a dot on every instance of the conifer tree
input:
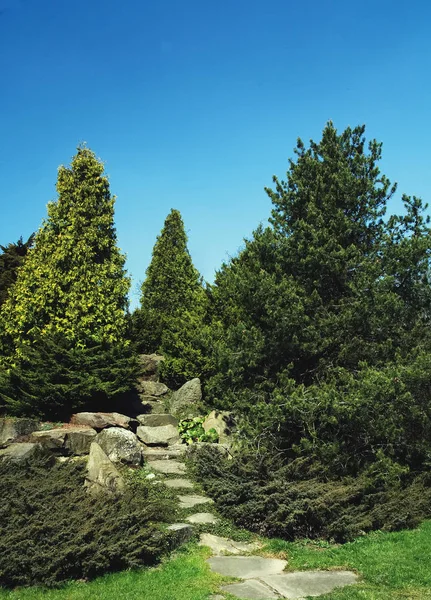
(172, 300)
(64, 319)
(73, 281)
(12, 257)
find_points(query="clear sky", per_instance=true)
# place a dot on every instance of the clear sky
(194, 105)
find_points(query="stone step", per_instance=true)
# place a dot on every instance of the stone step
(168, 467)
(162, 453)
(203, 518)
(163, 435)
(193, 500)
(156, 420)
(179, 484)
(220, 545)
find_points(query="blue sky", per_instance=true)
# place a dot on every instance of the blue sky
(195, 105)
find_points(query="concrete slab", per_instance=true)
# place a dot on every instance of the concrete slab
(168, 467)
(193, 500)
(308, 583)
(250, 590)
(246, 567)
(220, 545)
(202, 518)
(179, 484)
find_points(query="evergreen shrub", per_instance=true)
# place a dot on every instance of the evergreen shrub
(53, 530)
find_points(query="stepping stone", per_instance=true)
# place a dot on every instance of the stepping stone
(252, 589)
(308, 583)
(151, 454)
(246, 567)
(221, 545)
(168, 467)
(163, 435)
(193, 500)
(179, 484)
(157, 420)
(202, 518)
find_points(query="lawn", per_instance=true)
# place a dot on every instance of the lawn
(393, 566)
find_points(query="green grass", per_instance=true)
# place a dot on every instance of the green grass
(392, 566)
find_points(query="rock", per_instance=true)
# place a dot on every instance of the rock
(78, 440)
(184, 403)
(180, 533)
(203, 518)
(246, 567)
(192, 500)
(179, 484)
(120, 446)
(251, 590)
(19, 452)
(150, 366)
(152, 453)
(152, 388)
(12, 429)
(169, 467)
(223, 422)
(165, 435)
(157, 420)
(308, 583)
(148, 404)
(221, 545)
(101, 473)
(99, 420)
(52, 439)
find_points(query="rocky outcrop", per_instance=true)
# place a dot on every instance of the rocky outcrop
(150, 366)
(101, 473)
(19, 452)
(13, 429)
(185, 402)
(99, 420)
(152, 388)
(164, 435)
(66, 440)
(120, 446)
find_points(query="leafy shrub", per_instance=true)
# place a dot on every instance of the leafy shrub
(53, 530)
(300, 500)
(191, 430)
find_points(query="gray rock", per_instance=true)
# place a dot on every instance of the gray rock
(78, 440)
(308, 583)
(165, 435)
(220, 545)
(101, 473)
(180, 533)
(155, 420)
(250, 590)
(152, 388)
(19, 452)
(120, 446)
(203, 518)
(179, 484)
(185, 401)
(152, 453)
(12, 429)
(98, 420)
(169, 467)
(223, 422)
(150, 366)
(192, 500)
(52, 439)
(246, 567)
(149, 405)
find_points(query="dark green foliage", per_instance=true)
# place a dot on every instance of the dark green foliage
(172, 305)
(11, 259)
(289, 502)
(53, 378)
(53, 530)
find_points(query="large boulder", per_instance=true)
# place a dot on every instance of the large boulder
(78, 440)
(152, 388)
(101, 473)
(52, 439)
(19, 452)
(120, 446)
(223, 422)
(164, 435)
(150, 366)
(185, 402)
(99, 420)
(12, 429)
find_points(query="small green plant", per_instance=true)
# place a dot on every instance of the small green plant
(191, 431)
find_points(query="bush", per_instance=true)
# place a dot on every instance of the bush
(53, 530)
(297, 501)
